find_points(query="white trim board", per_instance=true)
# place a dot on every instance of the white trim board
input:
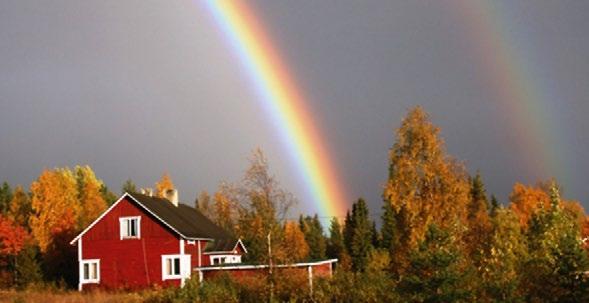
(237, 267)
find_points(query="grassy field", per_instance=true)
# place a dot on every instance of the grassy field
(44, 296)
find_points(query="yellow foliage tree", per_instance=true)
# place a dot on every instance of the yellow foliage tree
(224, 209)
(425, 185)
(90, 197)
(55, 206)
(163, 185)
(294, 242)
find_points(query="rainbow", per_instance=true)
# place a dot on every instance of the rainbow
(509, 68)
(284, 101)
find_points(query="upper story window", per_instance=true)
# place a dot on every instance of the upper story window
(130, 227)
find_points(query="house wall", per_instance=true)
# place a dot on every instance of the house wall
(129, 263)
(192, 249)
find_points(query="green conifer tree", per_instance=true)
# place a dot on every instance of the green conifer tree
(335, 244)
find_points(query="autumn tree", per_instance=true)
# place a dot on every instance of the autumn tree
(504, 258)
(313, 231)
(54, 221)
(263, 208)
(163, 185)
(335, 242)
(20, 207)
(525, 201)
(129, 187)
(55, 205)
(225, 207)
(90, 196)
(425, 186)
(12, 240)
(295, 243)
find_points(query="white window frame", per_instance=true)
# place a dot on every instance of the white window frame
(225, 259)
(123, 230)
(89, 262)
(183, 271)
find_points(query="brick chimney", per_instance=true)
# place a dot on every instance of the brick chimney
(172, 196)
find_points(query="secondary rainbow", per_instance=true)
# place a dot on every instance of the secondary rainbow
(283, 101)
(510, 68)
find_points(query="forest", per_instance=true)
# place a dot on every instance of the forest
(439, 237)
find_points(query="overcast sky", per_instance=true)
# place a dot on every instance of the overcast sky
(136, 88)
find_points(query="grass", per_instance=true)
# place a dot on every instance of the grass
(48, 296)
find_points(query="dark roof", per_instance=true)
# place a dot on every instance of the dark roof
(186, 220)
(221, 245)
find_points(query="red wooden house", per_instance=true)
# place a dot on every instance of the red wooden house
(143, 240)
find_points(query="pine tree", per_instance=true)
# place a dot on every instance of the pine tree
(437, 271)
(388, 229)
(129, 187)
(361, 242)
(375, 241)
(108, 196)
(494, 206)
(425, 186)
(335, 244)
(348, 230)
(478, 221)
(20, 207)
(5, 197)
(311, 227)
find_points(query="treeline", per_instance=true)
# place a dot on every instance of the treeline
(441, 238)
(36, 225)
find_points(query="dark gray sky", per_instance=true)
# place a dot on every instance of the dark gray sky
(136, 88)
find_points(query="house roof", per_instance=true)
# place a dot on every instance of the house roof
(184, 220)
(226, 245)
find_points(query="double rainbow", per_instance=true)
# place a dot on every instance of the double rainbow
(281, 97)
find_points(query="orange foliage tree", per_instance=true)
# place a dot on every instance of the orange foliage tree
(294, 242)
(12, 237)
(425, 185)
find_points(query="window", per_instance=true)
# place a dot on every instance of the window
(130, 227)
(225, 259)
(175, 266)
(90, 271)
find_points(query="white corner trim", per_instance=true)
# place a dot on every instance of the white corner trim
(80, 268)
